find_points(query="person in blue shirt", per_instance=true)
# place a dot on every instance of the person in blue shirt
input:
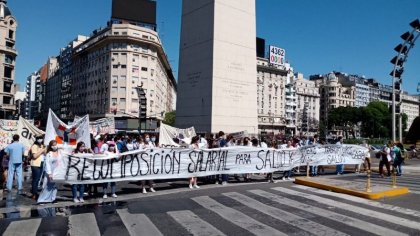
(15, 152)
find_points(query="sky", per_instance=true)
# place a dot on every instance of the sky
(319, 36)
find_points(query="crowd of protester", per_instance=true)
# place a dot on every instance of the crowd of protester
(44, 159)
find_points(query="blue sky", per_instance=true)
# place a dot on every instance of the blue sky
(353, 36)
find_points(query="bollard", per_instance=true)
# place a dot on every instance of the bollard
(307, 170)
(394, 178)
(368, 185)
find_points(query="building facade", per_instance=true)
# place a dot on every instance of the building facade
(33, 91)
(65, 74)
(53, 88)
(332, 93)
(8, 54)
(111, 63)
(308, 106)
(271, 96)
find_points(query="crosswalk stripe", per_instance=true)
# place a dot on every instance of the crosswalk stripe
(415, 192)
(23, 227)
(83, 224)
(193, 224)
(401, 210)
(353, 222)
(138, 224)
(284, 216)
(236, 217)
(355, 209)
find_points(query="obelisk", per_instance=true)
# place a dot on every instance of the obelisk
(217, 80)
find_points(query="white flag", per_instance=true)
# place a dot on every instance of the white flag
(28, 132)
(167, 134)
(67, 134)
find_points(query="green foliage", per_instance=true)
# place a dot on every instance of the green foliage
(375, 120)
(170, 118)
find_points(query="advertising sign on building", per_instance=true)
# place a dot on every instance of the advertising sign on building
(277, 55)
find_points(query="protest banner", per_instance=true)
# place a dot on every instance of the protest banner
(167, 134)
(27, 132)
(67, 134)
(173, 163)
(102, 126)
(8, 128)
(238, 135)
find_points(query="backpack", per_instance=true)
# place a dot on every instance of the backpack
(122, 147)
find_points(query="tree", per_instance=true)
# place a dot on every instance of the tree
(346, 118)
(170, 118)
(376, 120)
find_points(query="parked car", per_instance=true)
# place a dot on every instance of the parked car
(374, 149)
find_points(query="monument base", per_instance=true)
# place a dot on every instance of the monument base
(352, 188)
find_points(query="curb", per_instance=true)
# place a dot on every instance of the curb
(373, 195)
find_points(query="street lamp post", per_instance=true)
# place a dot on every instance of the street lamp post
(398, 61)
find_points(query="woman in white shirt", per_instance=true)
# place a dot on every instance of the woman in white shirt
(194, 145)
(53, 159)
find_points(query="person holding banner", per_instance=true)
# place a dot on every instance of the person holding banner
(112, 150)
(194, 145)
(340, 167)
(150, 143)
(288, 173)
(37, 156)
(80, 148)
(53, 159)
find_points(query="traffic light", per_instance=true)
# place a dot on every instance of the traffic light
(397, 109)
(142, 107)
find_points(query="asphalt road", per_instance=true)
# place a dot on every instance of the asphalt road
(236, 209)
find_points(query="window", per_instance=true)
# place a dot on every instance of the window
(115, 66)
(122, 90)
(8, 72)
(116, 33)
(114, 89)
(123, 66)
(11, 33)
(114, 101)
(144, 69)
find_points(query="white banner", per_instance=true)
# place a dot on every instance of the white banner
(27, 132)
(8, 128)
(102, 126)
(173, 163)
(67, 134)
(167, 134)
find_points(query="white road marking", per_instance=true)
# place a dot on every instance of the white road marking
(401, 210)
(23, 227)
(193, 224)
(138, 224)
(347, 220)
(359, 210)
(237, 217)
(289, 218)
(83, 224)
